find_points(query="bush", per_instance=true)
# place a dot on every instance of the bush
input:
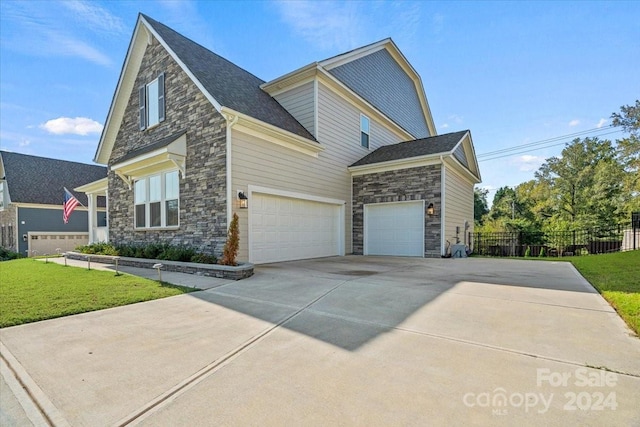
(543, 253)
(527, 253)
(7, 255)
(163, 251)
(99, 248)
(204, 259)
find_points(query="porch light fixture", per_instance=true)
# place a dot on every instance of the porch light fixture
(430, 209)
(243, 200)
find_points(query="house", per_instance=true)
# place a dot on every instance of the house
(340, 156)
(31, 200)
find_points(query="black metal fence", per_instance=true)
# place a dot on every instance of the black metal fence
(557, 244)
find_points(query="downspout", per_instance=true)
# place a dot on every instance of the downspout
(443, 182)
(231, 120)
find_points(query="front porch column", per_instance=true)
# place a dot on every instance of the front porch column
(92, 216)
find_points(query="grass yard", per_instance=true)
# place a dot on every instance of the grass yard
(32, 290)
(617, 277)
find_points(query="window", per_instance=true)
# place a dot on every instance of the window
(156, 200)
(152, 106)
(364, 131)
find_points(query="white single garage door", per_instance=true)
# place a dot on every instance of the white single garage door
(394, 229)
(284, 229)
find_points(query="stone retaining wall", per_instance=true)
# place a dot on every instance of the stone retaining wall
(238, 272)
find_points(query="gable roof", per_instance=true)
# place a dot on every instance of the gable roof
(223, 83)
(40, 180)
(229, 84)
(420, 147)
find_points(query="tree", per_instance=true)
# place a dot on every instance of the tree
(480, 205)
(628, 154)
(584, 183)
(230, 251)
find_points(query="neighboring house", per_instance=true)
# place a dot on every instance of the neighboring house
(31, 199)
(340, 156)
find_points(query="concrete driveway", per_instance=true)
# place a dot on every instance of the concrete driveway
(339, 341)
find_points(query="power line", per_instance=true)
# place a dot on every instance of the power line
(536, 144)
(528, 150)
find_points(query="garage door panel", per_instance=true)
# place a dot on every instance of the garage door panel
(394, 229)
(285, 228)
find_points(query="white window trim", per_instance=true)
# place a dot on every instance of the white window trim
(368, 132)
(163, 203)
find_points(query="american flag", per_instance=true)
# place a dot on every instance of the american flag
(70, 203)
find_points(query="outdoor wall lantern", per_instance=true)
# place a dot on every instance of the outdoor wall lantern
(430, 209)
(243, 199)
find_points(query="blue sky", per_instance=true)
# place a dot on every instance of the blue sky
(512, 72)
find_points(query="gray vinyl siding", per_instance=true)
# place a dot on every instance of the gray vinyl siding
(258, 162)
(299, 102)
(461, 156)
(380, 80)
(459, 205)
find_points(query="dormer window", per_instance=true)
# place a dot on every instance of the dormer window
(152, 105)
(364, 131)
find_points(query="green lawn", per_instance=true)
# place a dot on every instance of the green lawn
(32, 290)
(617, 277)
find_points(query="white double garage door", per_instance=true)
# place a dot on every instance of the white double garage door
(284, 228)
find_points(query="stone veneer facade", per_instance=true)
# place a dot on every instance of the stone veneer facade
(8, 225)
(203, 221)
(420, 183)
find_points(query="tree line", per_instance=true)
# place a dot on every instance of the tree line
(593, 184)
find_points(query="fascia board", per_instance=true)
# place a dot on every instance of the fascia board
(290, 80)
(344, 58)
(274, 134)
(455, 165)
(94, 187)
(131, 64)
(411, 162)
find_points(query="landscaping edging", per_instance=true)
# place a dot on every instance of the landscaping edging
(238, 272)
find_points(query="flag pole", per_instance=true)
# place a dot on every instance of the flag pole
(80, 203)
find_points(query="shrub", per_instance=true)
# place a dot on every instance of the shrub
(230, 251)
(527, 253)
(162, 251)
(204, 259)
(99, 248)
(543, 253)
(6, 254)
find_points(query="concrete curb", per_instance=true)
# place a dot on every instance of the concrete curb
(40, 410)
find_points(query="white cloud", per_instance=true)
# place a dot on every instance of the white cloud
(527, 162)
(445, 125)
(574, 122)
(327, 24)
(74, 126)
(95, 16)
(601, 123)
(41, 33)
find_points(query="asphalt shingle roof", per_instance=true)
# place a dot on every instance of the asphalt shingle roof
(229, 84)
(32, 179)
(419, 147)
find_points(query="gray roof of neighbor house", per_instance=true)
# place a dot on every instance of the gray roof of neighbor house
(40, 180)
(419, 147)
(229, 84)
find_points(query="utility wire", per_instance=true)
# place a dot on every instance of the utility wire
(549, 140)
(499, 156)
(501, 153)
